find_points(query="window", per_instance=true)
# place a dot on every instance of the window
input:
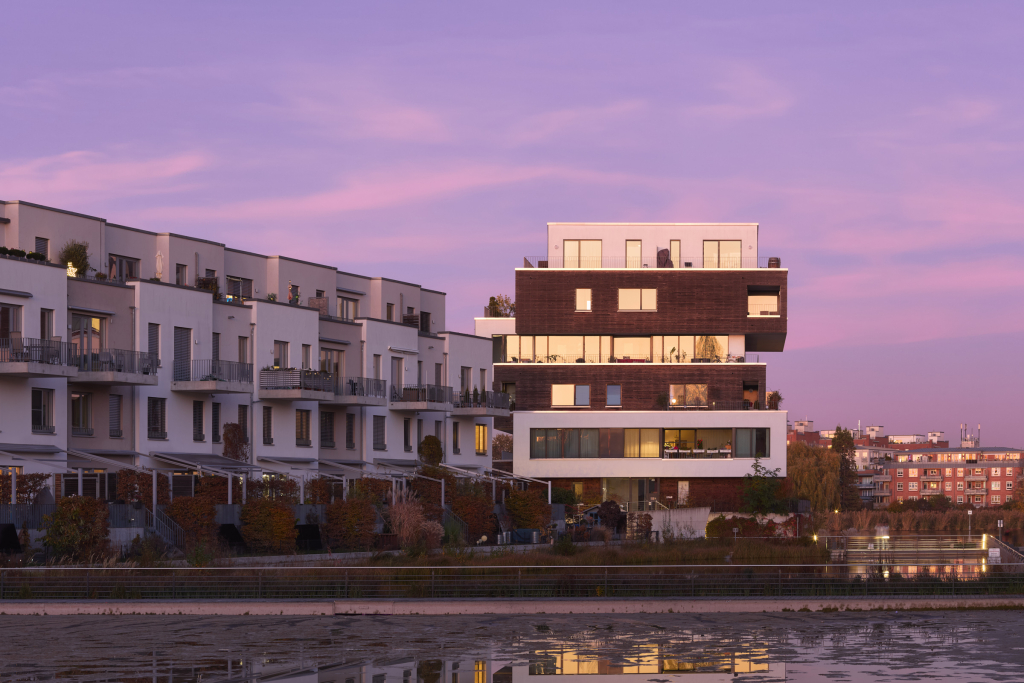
(638, 299)
(995, 472)
(995, 486)
(581, 253)
(424, 322)
(899, 486)
(481, 440)
(238, 288)
(379, 437)
(268, 425)
(154, 340)
(959, 500)
(243, 349)
(302, 428)
(673, 254)
(614, 395)
(307, 351)
(688, 395)
(350, 430)
(326, 429)
(959, 486)
(157, 418)
(752, 443)
(294, 294)
(456, 449)
(949, 486)
(243, 422)
(570, 394)
(465, 379)
(332, 361)
(280, 355)
(762, 303)
(960, 471)
(722, 254)
(642, 443)
(81, 414)
(376, 366)
(180, 274)
(407, 433)
(114, 414)
(582, 299)
(1009, 486)
(899, 473)
(348, 309)
(45, 323)
(122, 268)
(996, 500)
(949, 471)
(10, 321)
(215, 419)
(912, 472)
(391, 312)
(197, 421)
(87, 333)
(633, 254)
(43, 247)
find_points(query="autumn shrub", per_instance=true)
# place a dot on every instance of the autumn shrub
(236, 442)
(215, 489)
(611, 515)
(134, 487)
(78, 528)
(273, 487)
(641, 524)
(322, 490)
(472, 504)
(268, 526)
(406, 517)
(349, 524)
(197, 516)
(431, 451)
(528, 509)
(29, 486)
(749, 527)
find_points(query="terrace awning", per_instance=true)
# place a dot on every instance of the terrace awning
(203, 461)
(397, 462)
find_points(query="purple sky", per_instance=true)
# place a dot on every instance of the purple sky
(880, 148)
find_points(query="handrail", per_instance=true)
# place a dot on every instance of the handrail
(675, 359)
(481, 399)
(208, 370)
(421, 393)
(15, 349)
(315, 380)
(166, 528)
(361, 386)
(119, 360)
(653, 262)
(449, 517)
(1014, 553)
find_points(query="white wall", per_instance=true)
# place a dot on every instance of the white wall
(488, 327)
(654, 236)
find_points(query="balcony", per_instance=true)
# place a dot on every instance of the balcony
(359, 391)
(883, 477)
(976, 477)
(421, 397)
(763, 310)
(931, 477)
(729, 404)
(212, 377)
(291, 384)
(481, 404)
(22, 357)
(597, 358)
(685, 262)
(116, 367)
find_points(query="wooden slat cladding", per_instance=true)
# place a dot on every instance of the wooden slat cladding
(690, 301)
(641, 382)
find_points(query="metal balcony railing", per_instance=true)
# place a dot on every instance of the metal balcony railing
(119, 360)
(291, 378)
(81, 431)
(685, 262)
(650, 358)
(755, 310)
(44, 429)
(482, 399)
(15, 349)
(212, 371)
(729, 404)
(421, 393)
(361, 386)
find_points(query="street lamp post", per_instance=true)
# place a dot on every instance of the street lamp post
(969, 514)
(735, 531)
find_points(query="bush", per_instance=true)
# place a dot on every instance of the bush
(406, 516)
(611, 515)
(501, 443)
(77, 254)
(236, 442)
(133, 487)
(528, 509)
(430, 451)
(78, 529)
(29, 486)
(564, 496)
(472, 503)
(268, 526)
(197, 516)
(349, 523)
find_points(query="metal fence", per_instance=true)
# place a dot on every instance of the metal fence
(361, 386)
(16, 349)
(208, 370)
(507, 582)
(421, 393)
(649, 358)
(119, 360)
(685, 262)
(315, 380)
(482, 399)
(25, 514)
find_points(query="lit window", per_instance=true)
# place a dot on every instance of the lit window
(582, 299)
(995, 472)
(995, 486)
(481, 440)
(638, 299)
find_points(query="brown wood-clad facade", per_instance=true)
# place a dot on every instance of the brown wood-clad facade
(641, 382)
(689, 301)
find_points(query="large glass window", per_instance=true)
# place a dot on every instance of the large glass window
(711, 348)
(582, 395)
(122, 268)
(632, 348)
(752, 443)
(688, 395)
(714, 439)
(634, 257)
(482, 441)
(42, 411)
(81, 414)
(638, 299)
(673, 349)
(680, 440)
(565, 349)
(87, 332)
(563, 394)
(581, 253)
(722, 254)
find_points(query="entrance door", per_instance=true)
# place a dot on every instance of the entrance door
(633, 256)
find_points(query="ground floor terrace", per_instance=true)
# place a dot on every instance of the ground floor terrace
(656, 493)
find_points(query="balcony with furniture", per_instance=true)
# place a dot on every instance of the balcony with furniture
(359, 391)
(431, 397)
(661, 260)
(291, 384)
(24, 357)
(481, 403)
(117, 367)
(212, 377)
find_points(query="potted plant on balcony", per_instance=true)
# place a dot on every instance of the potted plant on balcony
(476, 396)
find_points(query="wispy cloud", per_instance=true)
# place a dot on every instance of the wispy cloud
(743, 92)
(577, 121)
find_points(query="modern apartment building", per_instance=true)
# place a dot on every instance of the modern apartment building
(141, 363)
(633, 360)
(983, 477)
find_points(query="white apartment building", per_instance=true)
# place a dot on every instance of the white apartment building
(142, 362)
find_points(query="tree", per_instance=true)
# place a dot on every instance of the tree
(236, 442)
(761, 489)
(268, 526)
(708, 347)
(501, 306)
(843, 446)
(814, 475)
(501, 443)
(77, 254)
(430, 451)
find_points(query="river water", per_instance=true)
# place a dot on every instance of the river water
(665, 648)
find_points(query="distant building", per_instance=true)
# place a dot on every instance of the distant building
(983, 477)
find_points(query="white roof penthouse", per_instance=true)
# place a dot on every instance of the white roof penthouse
(143, 360)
